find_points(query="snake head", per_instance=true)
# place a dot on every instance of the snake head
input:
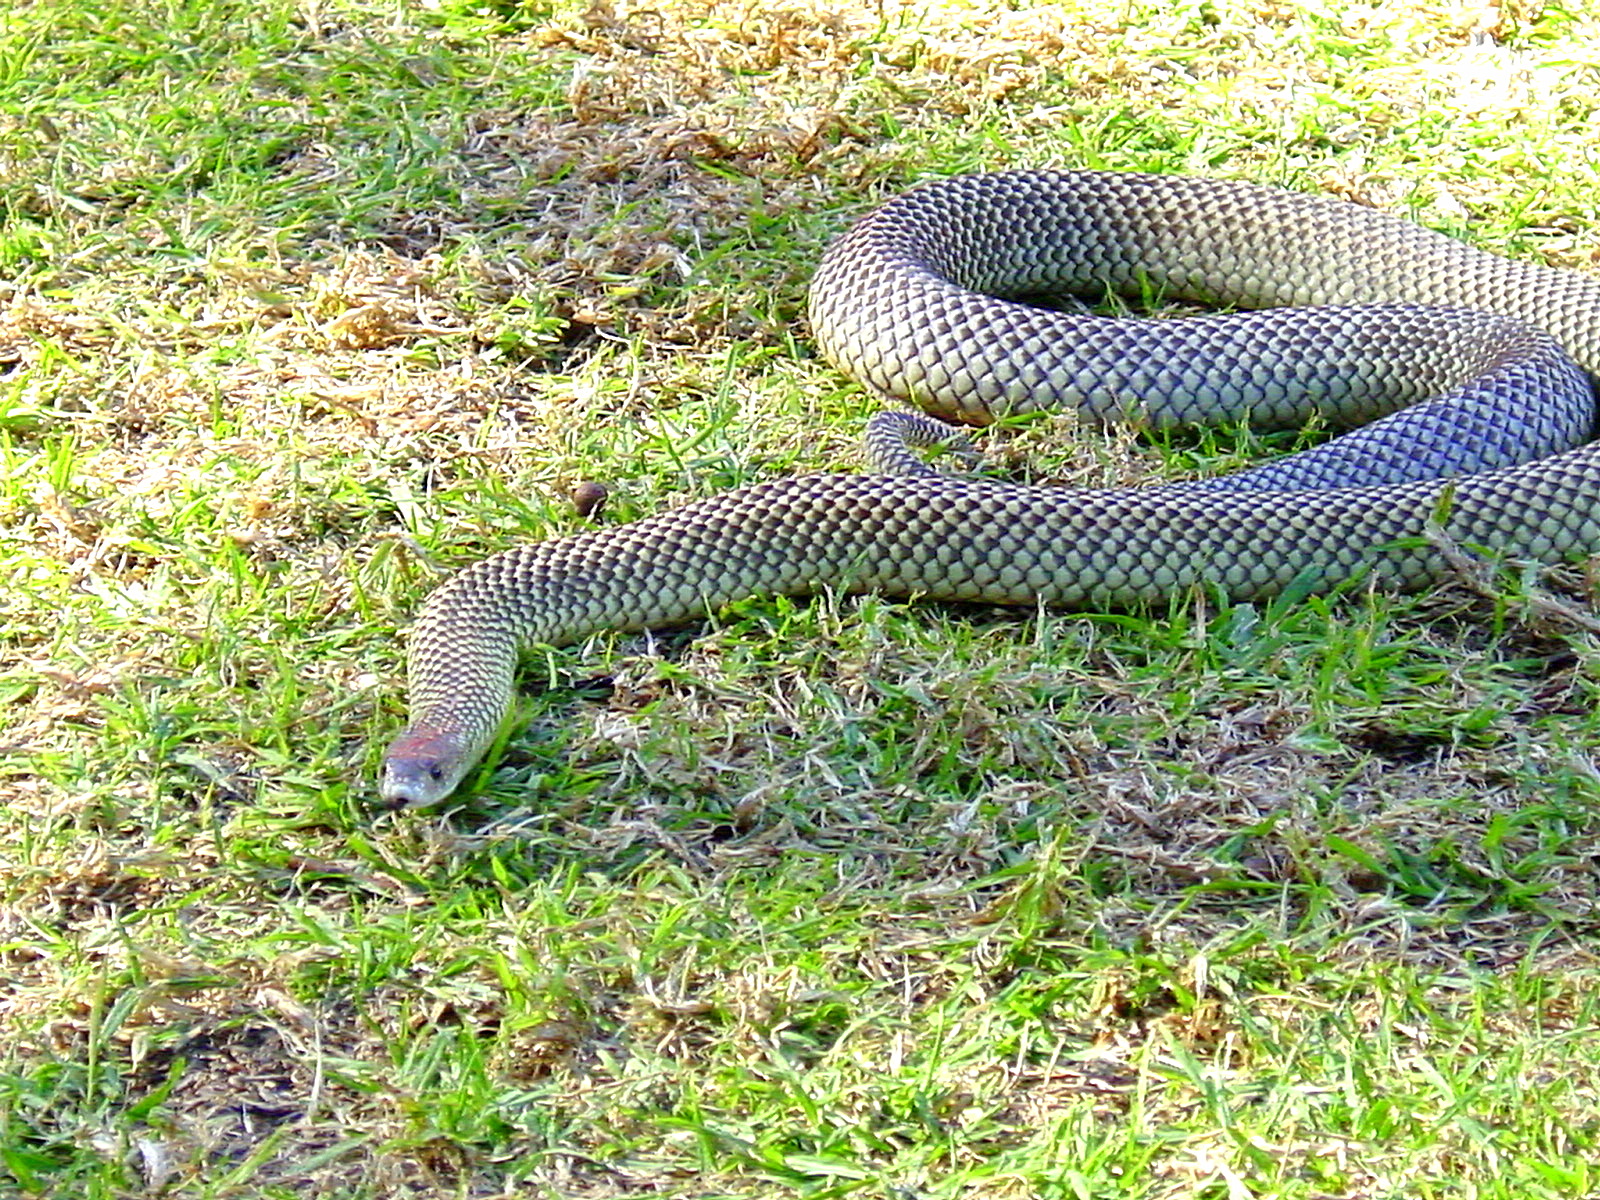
(421, 768)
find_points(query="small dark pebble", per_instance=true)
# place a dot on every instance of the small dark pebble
(589, 498)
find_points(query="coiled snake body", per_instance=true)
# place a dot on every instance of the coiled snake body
(913, 301)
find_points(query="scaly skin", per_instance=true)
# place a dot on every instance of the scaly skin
(898, 303)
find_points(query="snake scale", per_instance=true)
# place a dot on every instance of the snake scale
(1449, 359)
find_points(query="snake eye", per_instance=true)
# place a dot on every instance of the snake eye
(435, 772)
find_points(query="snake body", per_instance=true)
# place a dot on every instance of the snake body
(1453, 355)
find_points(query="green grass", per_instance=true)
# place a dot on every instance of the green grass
(303, 306)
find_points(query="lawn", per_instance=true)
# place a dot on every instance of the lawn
(306, 303)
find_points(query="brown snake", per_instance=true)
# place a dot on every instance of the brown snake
(1452, 356)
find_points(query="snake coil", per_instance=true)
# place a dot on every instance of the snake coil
(1469, 376)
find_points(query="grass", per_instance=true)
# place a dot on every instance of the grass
(305, 305)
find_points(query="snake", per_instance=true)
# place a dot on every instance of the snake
(1465, 380)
